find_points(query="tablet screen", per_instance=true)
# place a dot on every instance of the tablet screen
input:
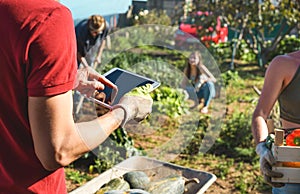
(125, 82)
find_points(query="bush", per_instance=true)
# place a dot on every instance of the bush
(152, 17)
(169, 101)
(287, 45)
(224, 51)
(236, 139)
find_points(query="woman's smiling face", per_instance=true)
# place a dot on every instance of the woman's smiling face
(193, 59)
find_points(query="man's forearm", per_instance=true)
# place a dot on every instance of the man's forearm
(95, 132)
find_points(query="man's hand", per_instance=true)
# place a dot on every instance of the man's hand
(137, 108)
(88, 80)
(137, 104)
(266, 161)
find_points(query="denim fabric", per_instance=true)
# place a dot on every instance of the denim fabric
(192, 93)
(207, 91)
(287, 189)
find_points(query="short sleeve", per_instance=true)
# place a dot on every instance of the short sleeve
(52, 54)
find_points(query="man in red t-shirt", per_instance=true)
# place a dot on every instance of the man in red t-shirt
(38, 135)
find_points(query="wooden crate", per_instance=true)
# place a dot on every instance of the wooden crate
(290, 175)
(285, 154)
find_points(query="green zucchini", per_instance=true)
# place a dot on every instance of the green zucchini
(137, 191)
(114, 184)
(115, 192)
(173, 184)
(102, 190)
(137, 179)
(130, 191)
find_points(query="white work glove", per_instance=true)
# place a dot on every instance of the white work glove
(266, 161)
(88, 80)
(136, 108)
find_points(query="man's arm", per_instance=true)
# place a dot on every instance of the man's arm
(57, 139)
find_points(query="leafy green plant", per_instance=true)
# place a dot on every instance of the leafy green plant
(236, 138)
(231, 77)
(107, 155)
(112, 151)
(245, 53)
(124, 60)
(249, 181)
(287, 45)
(223, 167)
(169, 101)
(221, 51)
(77, 177)
(152, 17)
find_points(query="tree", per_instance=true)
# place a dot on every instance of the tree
(255, 21)
(152, 17)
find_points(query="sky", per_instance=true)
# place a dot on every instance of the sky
(83, 9)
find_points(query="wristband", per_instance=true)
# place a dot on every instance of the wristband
(126, 118)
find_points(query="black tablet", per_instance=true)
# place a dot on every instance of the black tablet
(125, 81)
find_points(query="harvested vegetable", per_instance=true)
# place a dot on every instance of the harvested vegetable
(115, 192)
(137, 179)
(137, 191)
(291, 164)
(130, 191)
(293, 139)
(114, 184)
(173, 184)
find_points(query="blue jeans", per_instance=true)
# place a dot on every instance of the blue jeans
(207, 91)
(287, 189)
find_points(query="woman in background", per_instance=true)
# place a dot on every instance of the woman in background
(201, 79)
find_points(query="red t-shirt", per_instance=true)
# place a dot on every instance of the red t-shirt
(37, 58)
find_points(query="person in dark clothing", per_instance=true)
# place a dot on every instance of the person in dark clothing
(90, 37)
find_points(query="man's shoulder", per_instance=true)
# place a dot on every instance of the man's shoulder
(36, 11)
